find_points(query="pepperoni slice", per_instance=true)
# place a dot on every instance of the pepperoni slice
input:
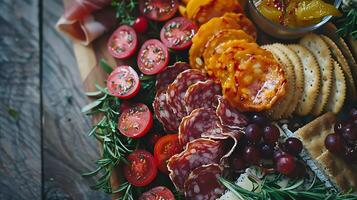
(197, 153)
(177, 90)
(164, 112)
(177, 33)
(229, 116)
(153, 57)
(123, 82)
(123, 42)
(203, 183)
(202, 122)
(169, 75)
(158, 193)
(200, 91)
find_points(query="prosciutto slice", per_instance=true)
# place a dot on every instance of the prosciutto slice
(86, 20)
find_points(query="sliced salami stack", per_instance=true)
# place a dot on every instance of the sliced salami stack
(209, 128)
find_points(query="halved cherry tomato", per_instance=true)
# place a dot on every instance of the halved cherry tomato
(123, 82)
(165, 148)
(135, 121)
(123, 42)
(158, 193)
(158, 10)
(141, 24)
(177, 33)
(141, 168)
(153, 57)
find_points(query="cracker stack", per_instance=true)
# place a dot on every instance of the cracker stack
(342, 174)
(319, 76)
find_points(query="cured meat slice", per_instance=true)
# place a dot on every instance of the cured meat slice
(229, 116)
(203, 183)
(86, 20)
(169, 75)
(164, 113)
(202, 95)
(176, 91)
(157, 193)
(197, 153)
(202, 122)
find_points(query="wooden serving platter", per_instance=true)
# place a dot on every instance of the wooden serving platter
(88, 58)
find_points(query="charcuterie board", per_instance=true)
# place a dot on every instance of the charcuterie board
(317, 81)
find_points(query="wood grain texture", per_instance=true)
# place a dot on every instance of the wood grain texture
(20, 121)
(68, 151)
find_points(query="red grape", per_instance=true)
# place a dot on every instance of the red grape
(266, 150)
(351, 154)
(350, 133)
(286, 164)
(271, 134)
(252, 155)
(278, 153)
(253, 133)
(338, 128)
(334, 143)
(300, 170)
(258, 118)
(293, 146)
(353, 113)
(238, 163)
(141, 24)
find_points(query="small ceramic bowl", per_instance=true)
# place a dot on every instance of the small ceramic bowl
(280, 31)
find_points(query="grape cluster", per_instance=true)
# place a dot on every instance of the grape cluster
(343, 141)
(261, 144)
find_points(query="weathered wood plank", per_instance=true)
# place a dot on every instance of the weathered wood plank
(20, 120)
(68, 151)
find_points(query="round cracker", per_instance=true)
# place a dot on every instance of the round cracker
(299, 75)
(338, 90)
(312, 79)
(337, 54)
(322, 54)
(281, 108)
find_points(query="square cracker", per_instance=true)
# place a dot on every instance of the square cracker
(314, 133)
(313, 137)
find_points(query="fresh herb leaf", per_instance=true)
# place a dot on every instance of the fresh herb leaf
(125, 11)
(105, 66)
(269, 190)
(93, 94)
(348, 24)
(91, 105)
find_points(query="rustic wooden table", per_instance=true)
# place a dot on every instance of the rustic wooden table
(43, 143)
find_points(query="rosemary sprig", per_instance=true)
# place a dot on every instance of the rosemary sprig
(348, 24)
(265, 189)
(125, 11)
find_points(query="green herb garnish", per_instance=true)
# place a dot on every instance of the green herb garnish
(266, 189)
(125, 11)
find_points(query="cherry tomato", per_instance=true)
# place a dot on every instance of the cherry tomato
(135, 121)
(123, 42)
(177, 33)
(153, 57)
(141, 168)
(158, 193)
(141, 24)
(158, 10)
(165, 148)
(123, 82)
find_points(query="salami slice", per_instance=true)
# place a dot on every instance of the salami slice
(176, 91)
(197, 153)
(229, 116)
(202, 95)
(169, 75)
(203, 183)
(158, 193)
(164, 113)
(202, 122)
